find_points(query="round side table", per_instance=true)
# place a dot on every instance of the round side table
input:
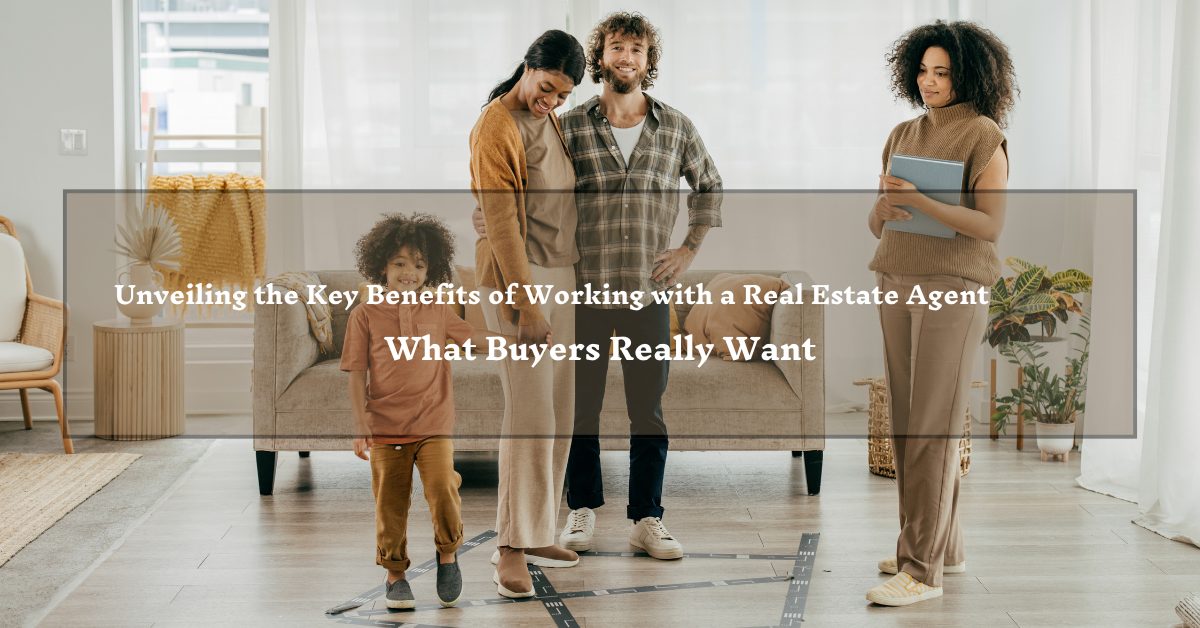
(138, 379)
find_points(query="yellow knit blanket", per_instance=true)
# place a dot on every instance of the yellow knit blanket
(222, 222)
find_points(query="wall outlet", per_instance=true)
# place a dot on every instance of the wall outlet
(69, 349)
(72, 142)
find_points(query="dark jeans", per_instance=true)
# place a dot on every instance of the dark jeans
(645, 382)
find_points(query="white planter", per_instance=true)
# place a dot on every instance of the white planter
(141, 277)
(1055, 438)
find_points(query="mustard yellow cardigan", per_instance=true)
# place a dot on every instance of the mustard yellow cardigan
(499, 174)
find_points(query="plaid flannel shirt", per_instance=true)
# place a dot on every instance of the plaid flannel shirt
(626, 214)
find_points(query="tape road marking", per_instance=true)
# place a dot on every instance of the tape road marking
(802, 571)
(695, 555)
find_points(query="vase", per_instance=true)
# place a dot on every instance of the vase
(1055, 438)
(140, 276)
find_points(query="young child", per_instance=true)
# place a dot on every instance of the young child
(404, 409)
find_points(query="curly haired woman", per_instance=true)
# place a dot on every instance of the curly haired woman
(962, 76)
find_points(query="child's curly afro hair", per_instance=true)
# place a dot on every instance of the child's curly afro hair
(421, 233)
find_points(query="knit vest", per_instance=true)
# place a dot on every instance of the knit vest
(954, 133)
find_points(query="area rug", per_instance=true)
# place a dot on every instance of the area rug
(39, 489)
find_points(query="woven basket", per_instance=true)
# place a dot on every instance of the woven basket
(880, 459)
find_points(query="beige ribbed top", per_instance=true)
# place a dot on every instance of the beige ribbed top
(954, 133)
(549, 193)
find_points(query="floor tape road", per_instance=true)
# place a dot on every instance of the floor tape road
(695, 555)
(551, 600)
(554, 601)
(802, 570)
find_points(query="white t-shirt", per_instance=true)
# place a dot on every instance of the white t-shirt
(627, 139)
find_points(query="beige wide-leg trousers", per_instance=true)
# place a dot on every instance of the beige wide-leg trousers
(928, 357)
(539, 415)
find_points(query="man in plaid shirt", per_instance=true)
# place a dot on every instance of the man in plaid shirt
(630, 151)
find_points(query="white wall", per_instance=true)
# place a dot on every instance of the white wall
(64, 68)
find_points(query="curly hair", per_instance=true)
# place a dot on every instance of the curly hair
(981, 70)
(422, 233)
(633, 25)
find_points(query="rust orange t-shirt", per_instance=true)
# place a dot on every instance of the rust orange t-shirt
(407, 400)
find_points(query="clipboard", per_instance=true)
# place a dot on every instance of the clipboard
(938, 179)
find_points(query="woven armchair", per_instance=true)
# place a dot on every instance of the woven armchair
(34, 357)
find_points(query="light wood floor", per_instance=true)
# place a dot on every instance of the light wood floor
(1041, 552)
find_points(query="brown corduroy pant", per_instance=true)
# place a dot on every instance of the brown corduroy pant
(391, 483)
(928, 355)
(539, 417)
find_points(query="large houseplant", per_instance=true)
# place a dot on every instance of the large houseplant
(1051, 399)
(1033, 296)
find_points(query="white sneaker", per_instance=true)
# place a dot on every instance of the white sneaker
(902, 590)
(651, 535)
(888, 565)
(577, 534)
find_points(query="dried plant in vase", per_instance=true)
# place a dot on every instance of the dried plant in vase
(150, 239)
(149, 236)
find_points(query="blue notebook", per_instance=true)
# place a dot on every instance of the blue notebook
(938, 179)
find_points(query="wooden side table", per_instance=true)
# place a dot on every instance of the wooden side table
(138, 379)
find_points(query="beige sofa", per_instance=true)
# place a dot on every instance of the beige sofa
(301, 402)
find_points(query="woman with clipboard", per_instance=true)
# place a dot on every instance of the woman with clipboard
(962, 76)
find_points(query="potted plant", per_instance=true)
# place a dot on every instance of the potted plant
(1032, 296)
(150, 238)
(1050, 399)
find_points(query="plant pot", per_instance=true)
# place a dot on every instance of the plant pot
(1055, 438)
(142, 277)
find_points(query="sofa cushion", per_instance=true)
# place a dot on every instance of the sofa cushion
(712, 323)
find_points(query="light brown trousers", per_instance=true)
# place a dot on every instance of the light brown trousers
(391, 483)
(928, 355)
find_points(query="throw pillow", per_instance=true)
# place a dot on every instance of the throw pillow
(713, 323)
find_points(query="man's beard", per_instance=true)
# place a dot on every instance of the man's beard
(618, 84)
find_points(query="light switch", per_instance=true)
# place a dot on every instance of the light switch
(72, 142)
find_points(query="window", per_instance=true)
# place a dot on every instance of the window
(202, 66)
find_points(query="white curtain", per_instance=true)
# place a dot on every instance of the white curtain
(1170, 481)
(1145, 135)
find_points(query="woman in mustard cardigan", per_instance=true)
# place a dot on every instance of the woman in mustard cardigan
(962, 75)
(524, 182)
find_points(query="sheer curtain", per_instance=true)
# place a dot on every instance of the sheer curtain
(1170, 481)
(1145, 133)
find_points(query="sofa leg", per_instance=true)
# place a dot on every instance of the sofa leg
(812, 470)
(266, 461)
(304, 454)
(797, 454)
